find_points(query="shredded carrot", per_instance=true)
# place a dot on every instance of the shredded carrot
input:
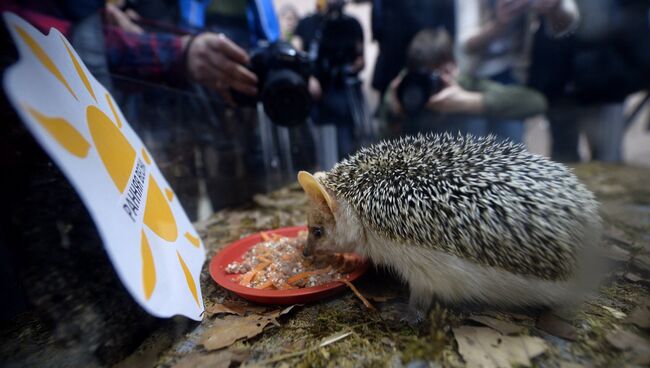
(265, 285)
(280, 259)
(297, 277)
(303, 275)
(262, 265)
(247, 278)
(357, 293)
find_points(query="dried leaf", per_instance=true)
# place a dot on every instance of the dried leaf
(486, 348)
(640, 316)
(505, 327)
(642, 261)
(636, 347)
(614, 312)
(616, 253)
(232, 308)
(633, 277)
(556, 326)
(221, 359)
(226, 331)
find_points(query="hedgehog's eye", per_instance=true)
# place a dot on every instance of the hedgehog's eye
(317, 232)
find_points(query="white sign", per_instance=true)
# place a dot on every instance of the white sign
(149, 239)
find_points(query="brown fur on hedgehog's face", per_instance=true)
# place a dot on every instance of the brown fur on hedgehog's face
(321, 221)
(322, 227)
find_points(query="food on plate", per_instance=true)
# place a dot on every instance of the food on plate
(277, 263)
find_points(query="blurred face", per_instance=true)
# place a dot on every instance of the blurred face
(288, 20)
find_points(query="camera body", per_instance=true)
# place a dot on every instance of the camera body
(415, 89)
(283, 75)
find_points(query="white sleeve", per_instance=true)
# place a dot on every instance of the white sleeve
(468, 20)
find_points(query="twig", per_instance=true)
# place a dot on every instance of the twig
(294, 354)
(358, 294)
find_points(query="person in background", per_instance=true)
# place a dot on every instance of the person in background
(288, 21)
(395, 23)
(587, 77)
(494, 39)
(208, 58)
(463, 104)
(334, 41)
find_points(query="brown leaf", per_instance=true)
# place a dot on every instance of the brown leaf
(221, 359)
(232, 308)
(483, 347)
(616, 253)
(554, 325)
(633, 277)
(640, 316)
(642, 261)
(505, 327)
(636, 347)
(226, 331)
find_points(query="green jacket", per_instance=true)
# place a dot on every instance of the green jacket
(500, 101)
(505, 101)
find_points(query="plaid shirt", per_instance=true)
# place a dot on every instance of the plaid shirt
(151, 56)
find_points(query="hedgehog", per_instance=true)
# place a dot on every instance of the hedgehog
(460, 219)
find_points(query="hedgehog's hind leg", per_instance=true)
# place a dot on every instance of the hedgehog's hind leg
(419, 304)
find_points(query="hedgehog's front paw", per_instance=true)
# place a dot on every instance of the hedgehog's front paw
(400, 313)
(413, 317)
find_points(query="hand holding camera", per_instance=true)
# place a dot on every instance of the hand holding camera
(216, 62)
(454, 99)
(283, 75)
(434, 91)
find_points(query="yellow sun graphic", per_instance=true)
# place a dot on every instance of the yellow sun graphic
(118, 157)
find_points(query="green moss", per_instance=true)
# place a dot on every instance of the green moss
(431, 343)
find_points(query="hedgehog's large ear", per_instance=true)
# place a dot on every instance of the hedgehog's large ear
(315, 191)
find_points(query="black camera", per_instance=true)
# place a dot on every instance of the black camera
(283, 75)
(415, 89)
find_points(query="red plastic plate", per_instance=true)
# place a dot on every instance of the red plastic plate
(235, 251)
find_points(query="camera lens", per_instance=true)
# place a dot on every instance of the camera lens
(413, 98)
(286, 98)
(416, 88)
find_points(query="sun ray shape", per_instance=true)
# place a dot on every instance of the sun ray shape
(117, 117)
(148, 268)
(189, 279)
(196, 242)
(79, 70)
(114, 149)
(158, 215)
(63, 132)
(145, 155)
(41, 55)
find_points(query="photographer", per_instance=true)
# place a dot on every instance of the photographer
(459, 103)
(334, 41)
(494, 40)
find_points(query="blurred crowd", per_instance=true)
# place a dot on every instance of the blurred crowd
(469, 66)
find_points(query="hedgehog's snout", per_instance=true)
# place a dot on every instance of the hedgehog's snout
(309, 248)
